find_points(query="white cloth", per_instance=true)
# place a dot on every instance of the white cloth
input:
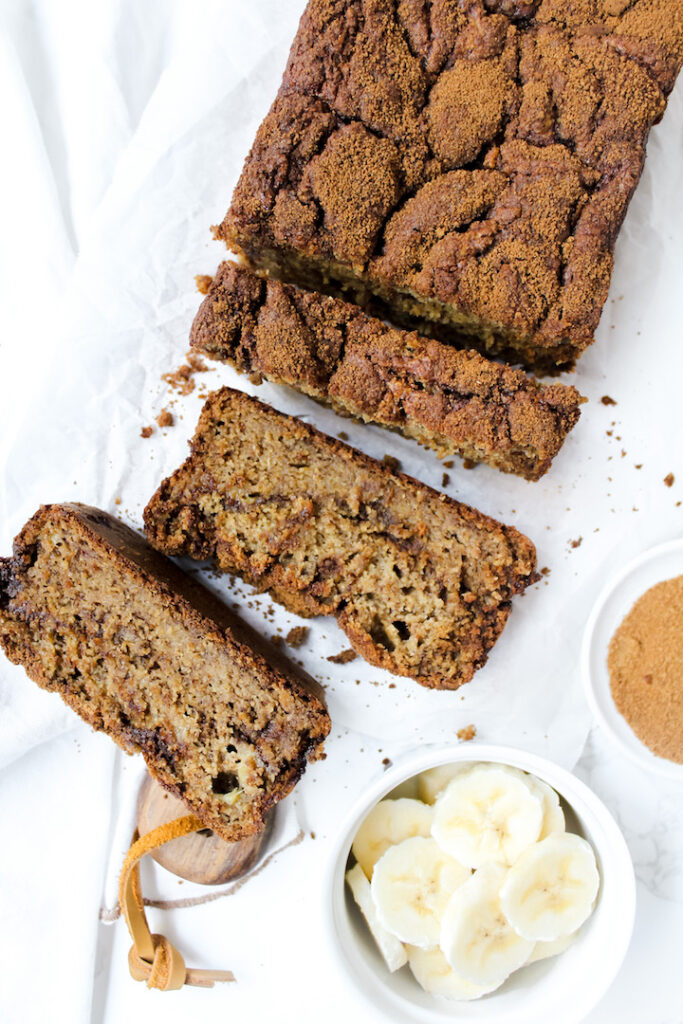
(125, 125)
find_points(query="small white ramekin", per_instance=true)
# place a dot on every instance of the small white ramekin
(613, 605)
(561, 990)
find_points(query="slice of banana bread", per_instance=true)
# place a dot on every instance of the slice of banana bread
(420, 584)
(142, 652)
(454, 401)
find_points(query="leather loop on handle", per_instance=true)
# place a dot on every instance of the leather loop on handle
(153, 958)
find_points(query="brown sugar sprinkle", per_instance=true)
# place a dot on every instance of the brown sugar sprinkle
(165, 418)
(606, 400)
(669, 479)
(146, 432)
(203, 282)
(466, 733)
(343, 657)
(645, 664)
(297, 636)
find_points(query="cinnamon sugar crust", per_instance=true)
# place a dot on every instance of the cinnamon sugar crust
(464, 163)
(457, 402)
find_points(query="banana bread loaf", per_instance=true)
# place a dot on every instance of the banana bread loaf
(420, 584)
(142, 652)
(467, 164)
(456, 402)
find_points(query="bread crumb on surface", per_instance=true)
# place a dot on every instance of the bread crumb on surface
(343, 657)
(297, 636)
(468, 732)
(146, 432)
(181, 380)
(606, 400)
(165, 418)
(445, 480)
(669, 479)
(391, 462)
(576, 543)
(203, 282)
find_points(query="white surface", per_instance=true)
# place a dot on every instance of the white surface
(124, 128)
(540, 993)
(652, 567)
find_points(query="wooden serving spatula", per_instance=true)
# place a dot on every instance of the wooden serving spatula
(200, 857)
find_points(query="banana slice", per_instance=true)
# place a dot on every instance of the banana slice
(433, 973)
(433, 782)
(487, 814)
(389, 822)
(476, 937)
(389, 946)
(543, 950)
(553, 815)
(411, 886)
(550, 891)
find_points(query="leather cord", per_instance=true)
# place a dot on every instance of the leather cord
(152, 958)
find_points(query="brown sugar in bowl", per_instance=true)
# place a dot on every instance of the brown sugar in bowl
(626, 638)
(645, 664)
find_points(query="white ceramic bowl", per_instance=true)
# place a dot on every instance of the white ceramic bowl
(561, 990)
(660, 563)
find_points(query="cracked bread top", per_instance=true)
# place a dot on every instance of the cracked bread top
(474, 153)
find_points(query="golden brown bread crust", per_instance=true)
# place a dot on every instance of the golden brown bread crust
(421, 584)
(457, 402)
(469, 164)
(99, 626)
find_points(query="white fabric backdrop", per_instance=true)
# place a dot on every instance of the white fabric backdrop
(125, 126)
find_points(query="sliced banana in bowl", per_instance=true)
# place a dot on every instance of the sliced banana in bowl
(471, 893)
(477, 938)
(550, 891)
(487, 814)
(411, 886)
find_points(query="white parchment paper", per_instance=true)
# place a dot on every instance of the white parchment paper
(129, 135)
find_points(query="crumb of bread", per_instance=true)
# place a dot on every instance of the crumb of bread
(343, 657)
(466, 733)
(297, 636)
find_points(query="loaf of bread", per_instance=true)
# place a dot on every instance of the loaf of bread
(465, 166)
(142, 652)
(420, 584)
(457, 402)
